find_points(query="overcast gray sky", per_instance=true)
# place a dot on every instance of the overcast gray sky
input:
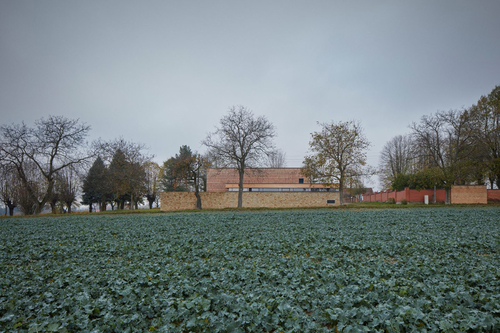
(164, 72)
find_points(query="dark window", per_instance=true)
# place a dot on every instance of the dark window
(301, 180)
(330, 201)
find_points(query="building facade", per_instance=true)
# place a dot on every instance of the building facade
(263, 180)
(264, 188)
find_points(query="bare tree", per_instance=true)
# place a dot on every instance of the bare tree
(276, 159)
(241, 141)
(198, 175)
(31, 191)
(134, 151)
(396, 158)
(338, 153)
(446, 137)
(68, 185)
(52, 145)
(54, 199)
(152, 173)
(9, 188)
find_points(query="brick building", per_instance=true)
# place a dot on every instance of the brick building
(263, 180)
(267, 187)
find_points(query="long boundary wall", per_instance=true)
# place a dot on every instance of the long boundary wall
(411, 196)
(466, 194)
(494, 195)
(173, 201)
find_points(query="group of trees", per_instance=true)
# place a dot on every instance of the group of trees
(122, 174)
(186, 171)
(447, 148)
(39, 165)
(338, 151)
(49, 164)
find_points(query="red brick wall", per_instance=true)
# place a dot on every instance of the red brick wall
(407, 194)
(493, 195)
(218, 178)
(399, 195)
(418, 196)
(466, 194)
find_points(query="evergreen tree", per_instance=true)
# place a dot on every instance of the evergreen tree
(95, 185)
(176, 175)
(127, 180)
(185, 171)
(118, 178)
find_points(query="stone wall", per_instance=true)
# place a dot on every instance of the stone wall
(173, 201)
(469, 194)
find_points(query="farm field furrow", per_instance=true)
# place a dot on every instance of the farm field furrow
(435, 269)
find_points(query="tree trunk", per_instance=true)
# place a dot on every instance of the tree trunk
(196, 175)
(240, 188)
(68, 204)
(90, 207)
(45, 199)
(11, 209)
(151, 200)
(38, 208)
(131, 202)
(447, 193)
(341, 191)
(53, 207)
(198, 198)
(434, 198)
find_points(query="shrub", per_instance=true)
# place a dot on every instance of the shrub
(404, 202)
(391, 201)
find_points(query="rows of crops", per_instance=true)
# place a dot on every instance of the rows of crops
(386, 271)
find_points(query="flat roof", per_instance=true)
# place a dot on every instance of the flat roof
(274, 185)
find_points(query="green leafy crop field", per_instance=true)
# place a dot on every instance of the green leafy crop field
(292, 271)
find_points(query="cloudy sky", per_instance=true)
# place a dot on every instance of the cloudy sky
(164, 72)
